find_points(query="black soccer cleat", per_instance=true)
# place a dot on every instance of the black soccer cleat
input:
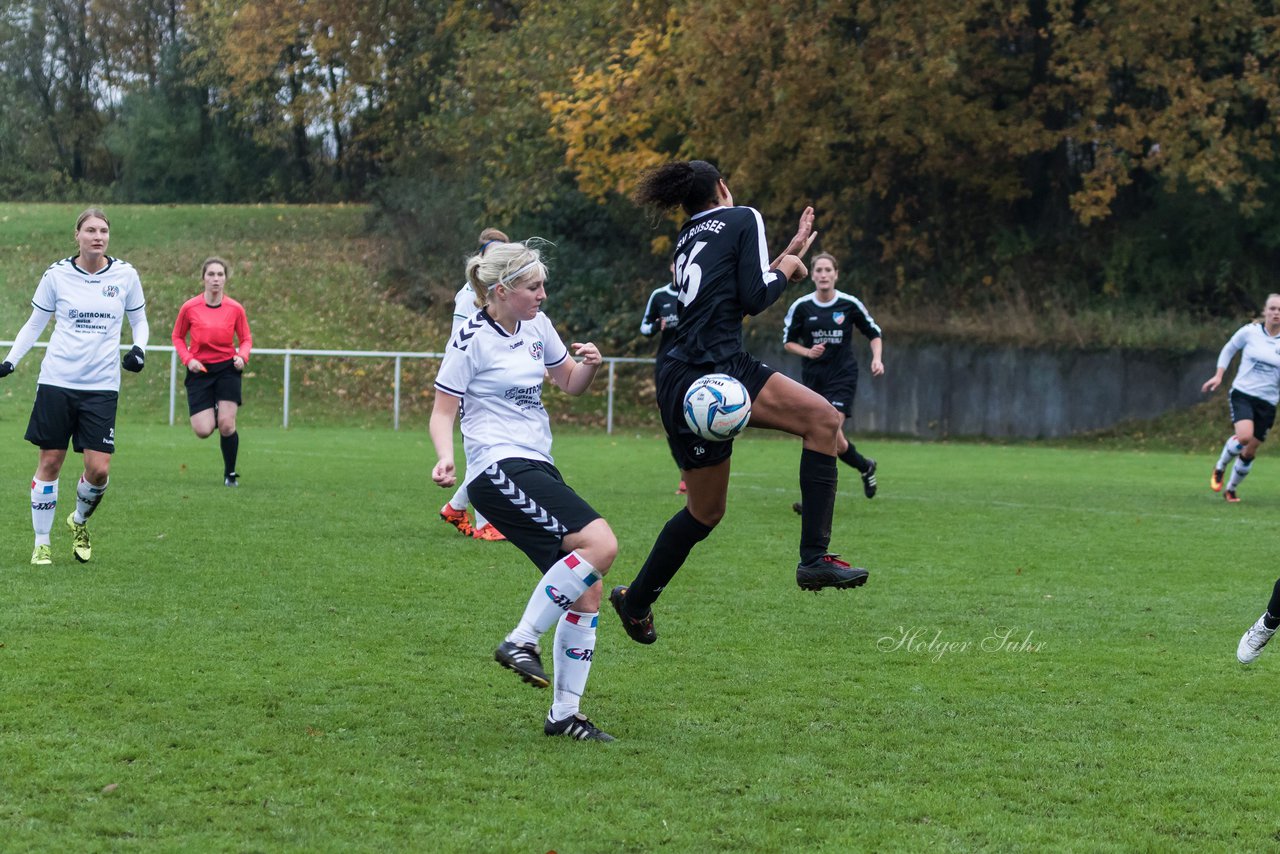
(231, 479)
(578, 727)
(829, 571)
(641, 630)
(523, 658)
(869, 479)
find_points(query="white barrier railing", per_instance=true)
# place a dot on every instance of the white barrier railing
(397, 355)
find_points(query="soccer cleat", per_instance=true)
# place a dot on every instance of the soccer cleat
(1215, 479)
(869, 480)
(525, 660)
(641, 630)
(79, 539)
(488, 532)
(799, 508)
(829, 571)
(232, 479)
(682, 489)
(457, 518)
(42, 556)
(1231, 496)
(576, 726)
(1254, 640)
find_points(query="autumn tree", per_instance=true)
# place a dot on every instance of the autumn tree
(925, 132)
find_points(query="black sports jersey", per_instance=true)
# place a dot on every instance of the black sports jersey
(810, 322)
(722, 274)
(663, 305)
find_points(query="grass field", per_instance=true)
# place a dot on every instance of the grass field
(308, 277)
(1042, 659)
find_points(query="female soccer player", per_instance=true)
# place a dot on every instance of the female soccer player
(90, 294)
(662, 318)
(496, 361)
(465, 304)
(819, 328)
(723, 272)
(220, 345)
(1254, 394)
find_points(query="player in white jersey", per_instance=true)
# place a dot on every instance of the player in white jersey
(1254, 395)
(89, 295)
(493, 372)
(465, 306)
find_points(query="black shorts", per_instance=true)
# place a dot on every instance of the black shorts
(838, 385)
(840, 395)
(529, 502)
(86, 418)
(690, 450)
(221, 382)
(1246, 407)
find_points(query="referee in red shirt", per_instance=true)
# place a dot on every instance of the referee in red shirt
(215, 360)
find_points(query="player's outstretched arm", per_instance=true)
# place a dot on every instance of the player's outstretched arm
(25, 339)
(574, 377)
(799, 244)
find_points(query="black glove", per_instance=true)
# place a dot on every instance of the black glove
(5, 369)
(133, 360)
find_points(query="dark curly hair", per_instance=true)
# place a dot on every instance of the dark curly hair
(691, 184)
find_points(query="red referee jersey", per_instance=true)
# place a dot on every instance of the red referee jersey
(213, 331)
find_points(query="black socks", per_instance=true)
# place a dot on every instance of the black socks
(851, 457)
(818, 480)
(1273, 608)
(678, 537)
(230, 448)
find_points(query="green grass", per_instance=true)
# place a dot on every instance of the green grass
(309, 278)
(305, 663)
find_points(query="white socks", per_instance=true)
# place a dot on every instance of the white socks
(1230, 451)
(566, 580)
(459, 499)
(44, 506)
(575, 646)
(1239, 472)
(87, 498)
(459, 502)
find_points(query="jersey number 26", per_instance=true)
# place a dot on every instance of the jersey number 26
(688, 275)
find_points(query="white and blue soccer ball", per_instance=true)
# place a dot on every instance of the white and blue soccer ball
(717, 407)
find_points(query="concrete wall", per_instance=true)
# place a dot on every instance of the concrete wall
(932, 390)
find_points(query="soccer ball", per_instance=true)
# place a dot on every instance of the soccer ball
(717, 407)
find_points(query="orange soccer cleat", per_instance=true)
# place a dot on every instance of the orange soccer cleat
(458, 519)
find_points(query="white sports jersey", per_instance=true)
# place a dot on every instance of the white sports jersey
(464, 306)
(1259, 373)
(89, 311)
(499, 378)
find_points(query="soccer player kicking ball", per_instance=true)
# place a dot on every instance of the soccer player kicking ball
(722, 274)
(496, 361)
(90, 294)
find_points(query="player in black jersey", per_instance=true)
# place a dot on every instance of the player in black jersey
(723, 273)
(661, 318)
(818, 328)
